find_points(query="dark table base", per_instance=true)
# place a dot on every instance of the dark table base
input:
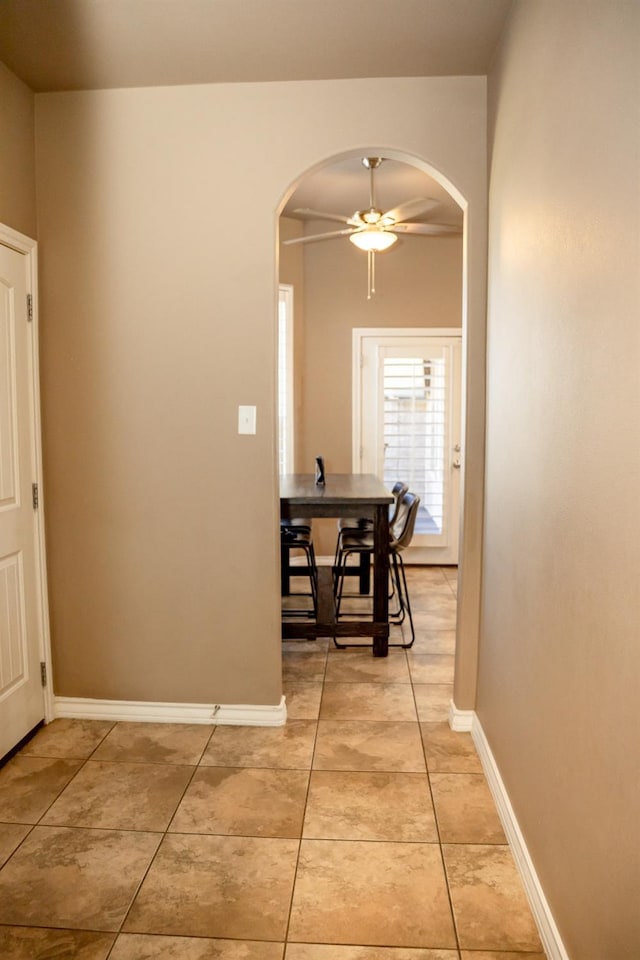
(327, 626)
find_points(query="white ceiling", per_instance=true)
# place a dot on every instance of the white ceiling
(96, 44)
(55, 45)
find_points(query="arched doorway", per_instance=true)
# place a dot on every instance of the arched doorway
(416, 287)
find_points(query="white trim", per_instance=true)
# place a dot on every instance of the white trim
(554, 948)
(29, 248)
(439, 548)
(460, 720)
(286, 296)
(17, 241)
(246, 715)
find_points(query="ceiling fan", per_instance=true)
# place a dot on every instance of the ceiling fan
(374, 231)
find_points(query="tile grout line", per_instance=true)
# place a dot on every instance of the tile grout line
(32, 826)
(310, 772)
(163, 836)
(436, 821)
(304, 811)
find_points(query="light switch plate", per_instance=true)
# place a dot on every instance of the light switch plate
(246, 419)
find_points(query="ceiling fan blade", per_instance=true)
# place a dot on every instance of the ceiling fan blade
(321, 236)
(426, 229)
(409, 209)
(320, 215)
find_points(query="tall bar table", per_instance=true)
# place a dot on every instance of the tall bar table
(343, 495)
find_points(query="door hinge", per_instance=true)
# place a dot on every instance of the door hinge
(29, 307)
(35, 495)
(43, 673)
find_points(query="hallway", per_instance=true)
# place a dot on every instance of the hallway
(362, 830)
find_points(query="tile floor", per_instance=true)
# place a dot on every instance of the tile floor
(362, 830)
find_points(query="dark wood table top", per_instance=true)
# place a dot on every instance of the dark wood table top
(340, 488)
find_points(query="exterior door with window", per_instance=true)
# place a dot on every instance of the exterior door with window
(408, 402)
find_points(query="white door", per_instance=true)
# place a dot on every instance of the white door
(21, 633)
(409, 412)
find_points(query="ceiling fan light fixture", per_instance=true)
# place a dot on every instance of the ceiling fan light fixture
(376, 240)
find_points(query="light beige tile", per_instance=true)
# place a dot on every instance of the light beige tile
(465, 809)
(369, 806)
(244, 801)
(435, 613)
(432, 700)
(302, 699)
(121, 796)
(304, 661)
(369, 745)
(64, 737)
(450, 574)
(424, 594)
(433, 641)
(28, 785)
(325, 951)
(71, 878)
(431, 668)
(367, 701)
(31, 943)
(359, 666)
(233, 887)
(500, 955)
(11, 836)
(140, 946)
(299, 600)
(418, 575)
(448, 751)
(360, 606)
(489, 903)
(400, 638)
(287, 747)
(292, 648)
(180, 743)
(386, 894)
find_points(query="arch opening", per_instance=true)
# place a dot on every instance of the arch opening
(416, 170)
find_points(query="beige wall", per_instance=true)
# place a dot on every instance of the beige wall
(419, 284)
(17, 168)
(157, 228)
(559, 652)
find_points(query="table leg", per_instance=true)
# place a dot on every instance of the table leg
(381, 578)
(284, 572)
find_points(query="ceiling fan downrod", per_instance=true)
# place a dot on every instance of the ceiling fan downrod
(371, 216)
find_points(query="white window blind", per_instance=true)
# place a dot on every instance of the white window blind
(414, 432)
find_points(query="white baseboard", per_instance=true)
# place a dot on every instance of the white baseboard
(246, 715)
(549, 934)
(460, 720)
